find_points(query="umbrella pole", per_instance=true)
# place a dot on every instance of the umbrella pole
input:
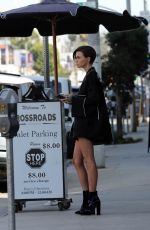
(46, 62)
(55, 57)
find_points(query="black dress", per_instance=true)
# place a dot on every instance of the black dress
(89, 110)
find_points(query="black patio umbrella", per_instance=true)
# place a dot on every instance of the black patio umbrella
(58, 17)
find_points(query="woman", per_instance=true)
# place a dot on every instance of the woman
(91, 126)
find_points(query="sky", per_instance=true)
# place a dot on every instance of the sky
(118, 5)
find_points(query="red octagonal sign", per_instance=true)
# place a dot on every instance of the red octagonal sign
(35, 158)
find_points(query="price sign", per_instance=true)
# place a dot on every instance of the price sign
(38, 154)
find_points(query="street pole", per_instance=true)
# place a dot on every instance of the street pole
(147, 14)
(149, 132)
(132, 106)
(94, 41)
(145, 6)
(128, 5)
(46, 61)
(10, 185)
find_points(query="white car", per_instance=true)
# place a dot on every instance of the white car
(22, 84)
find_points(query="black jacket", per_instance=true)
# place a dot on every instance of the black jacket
(90, 111)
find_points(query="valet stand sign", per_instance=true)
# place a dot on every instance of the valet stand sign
(35, 163)
(38, 159)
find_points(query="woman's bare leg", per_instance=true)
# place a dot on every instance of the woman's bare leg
(80, 167)
(86, 148)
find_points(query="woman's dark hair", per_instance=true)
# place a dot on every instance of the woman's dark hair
(87, 51)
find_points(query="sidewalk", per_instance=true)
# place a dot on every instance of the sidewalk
(123, 186)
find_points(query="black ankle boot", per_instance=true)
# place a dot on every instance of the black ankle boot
(84, 206)
(94, 203)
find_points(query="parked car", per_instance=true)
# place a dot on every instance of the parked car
(22, 85)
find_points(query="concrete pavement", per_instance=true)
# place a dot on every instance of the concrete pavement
(123, 186)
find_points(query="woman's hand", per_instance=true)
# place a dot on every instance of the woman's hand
(67, 99)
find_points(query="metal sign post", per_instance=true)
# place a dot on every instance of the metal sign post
(149, 131)
(10, 185)
(8, 127)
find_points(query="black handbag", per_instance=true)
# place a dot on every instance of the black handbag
(70, 143)
(78, 106)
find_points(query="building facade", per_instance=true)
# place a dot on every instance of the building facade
(14, 60)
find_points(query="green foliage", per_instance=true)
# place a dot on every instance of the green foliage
(25, 42)
(148, 58)
(125, 140)
(125, 59)
(35, 45)
(37, 51)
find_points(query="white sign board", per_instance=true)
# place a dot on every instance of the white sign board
(37, 149)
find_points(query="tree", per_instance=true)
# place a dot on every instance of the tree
(126, 58)
(35, 45)
(25, 42)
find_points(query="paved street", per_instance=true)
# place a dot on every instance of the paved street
(124, 189)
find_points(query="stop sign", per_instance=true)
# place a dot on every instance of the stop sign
(35, 158)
